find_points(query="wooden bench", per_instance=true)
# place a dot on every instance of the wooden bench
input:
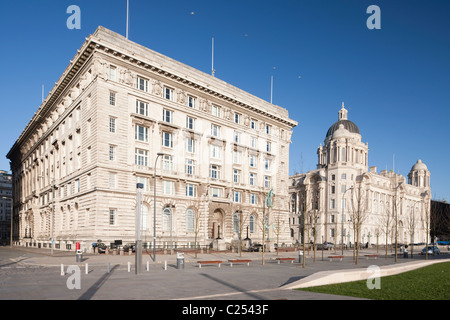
(200, 263)
(374, 256)
(239, 261)
(335, 257)
(285, 259)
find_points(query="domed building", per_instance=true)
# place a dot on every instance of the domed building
(346, 201)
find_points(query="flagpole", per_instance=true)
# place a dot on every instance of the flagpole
(212, 58)
(128, 10)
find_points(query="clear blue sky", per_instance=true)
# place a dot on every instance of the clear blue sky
(395, 81)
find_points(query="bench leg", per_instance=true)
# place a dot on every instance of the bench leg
(219, 265)
(231, 264)
(199, 265)
(248, 264)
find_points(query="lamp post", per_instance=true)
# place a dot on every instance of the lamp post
(159, 154)
(342, 230)
(138, 256)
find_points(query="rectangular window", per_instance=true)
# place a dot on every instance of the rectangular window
(112, 125)
(216, 192)
(168, 93)
(190, 166)
(215, 111)
(252, 124)
(167, 139)
(237, 155)
(267, 164)
(190, 123)
(215, 151)
(214, 171)
(267, 182)
(141, 157)
(268, 129)
(167, 163)
(191, 190)
(332, 205)
(112, 153)
(252, 198)
(191, 102)
(268, 146)
(112, 217)
(252, 179)
(237, 137)
(168, 187)
(167, 116)
(112, 180)
(253, 142)
(141, 133)
(252, 161)
(236, 196)
(112, 73)
(142, 84)
(236, 176)
(112, 98)
(237, 118)
(190, 145)
(215, 130)
(142, 108)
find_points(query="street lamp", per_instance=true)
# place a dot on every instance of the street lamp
(159, 154)
(342, 230)
(138, 256)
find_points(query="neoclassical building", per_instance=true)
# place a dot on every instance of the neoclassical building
(343, 195)
(121, 115)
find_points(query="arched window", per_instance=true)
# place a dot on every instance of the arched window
(252, 223)
(167, 219)
(190, 226)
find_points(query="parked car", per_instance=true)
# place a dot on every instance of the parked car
(101, 247)
(129, 246)
(255, 247)
(325, 246)
(430, 250)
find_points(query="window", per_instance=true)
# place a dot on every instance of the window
(332, 204)
(191, 102)
(142, 84)
(268, 129)
(191, 190)
(214, 171)
(112, 217)
(190, 145)
(236, 196)
(112, 98)
(252, 179)
(167, 163)
(343, 188)
(141, 157)
(142, 108)
(252, 223)
(344, 176)
(267, 164)
(168, 187)
(252, 198)
(167, 139)
(144, 181)
(236, 176)
(190, 166)
(215, 130)
(236, 222)
(141, 133)
(112, 73)
(252, 124)
(77, 185)
(190, 220)
(168, 93)
(237, 118)
(112, 153)
(268, 146)
(252, 161)
(112, 125)
(266, 182)
(112, 180)
(215, 111)
(215, 151)
(237, 155)
(236, 137)
(253, 142)
(167, 116)
(216, 192)
(167, 219)
(190, 123)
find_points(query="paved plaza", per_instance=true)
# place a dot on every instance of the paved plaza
(28, 273)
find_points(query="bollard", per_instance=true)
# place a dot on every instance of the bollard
(165, 264)
(148, 265)
(87, 269)
(129, 267)
(108, 267)
(62, 269)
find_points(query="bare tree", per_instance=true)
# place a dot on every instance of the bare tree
(386, 222)
(426, 219)
(359, 212)
(411, 225)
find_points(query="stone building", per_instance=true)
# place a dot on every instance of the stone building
(344, 195)
(122, 114)
(5, 206)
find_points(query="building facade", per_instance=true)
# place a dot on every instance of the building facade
(5, 206)
(121, 115)
(345, 201)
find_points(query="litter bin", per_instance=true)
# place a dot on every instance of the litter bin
(79, 256)
(300, 256)
(180, 260)
(405, 254)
